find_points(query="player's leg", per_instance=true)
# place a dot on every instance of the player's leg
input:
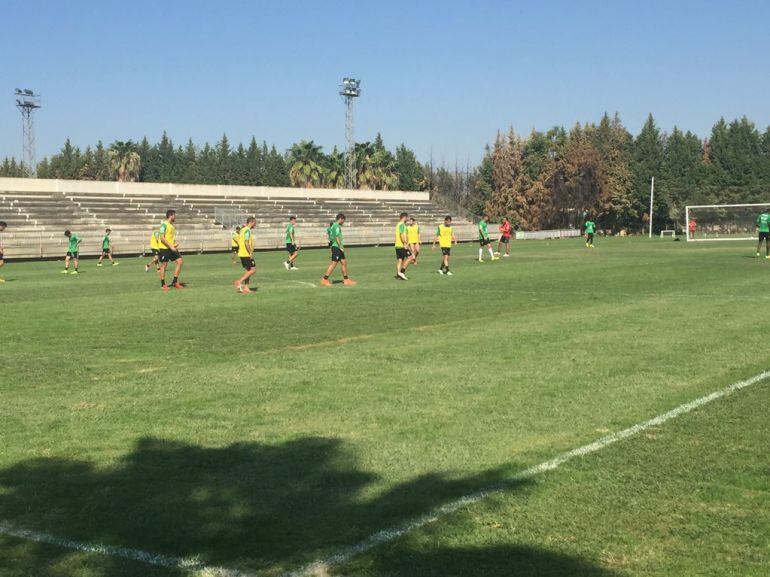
(491, 252)
(177, 271)
(329, 271)
(345, 279)
(759, 243)
(66, 263)
(2, 264)
(101, 257)
(162, 272)
(481, 251)
(293, 257)
(75, 263)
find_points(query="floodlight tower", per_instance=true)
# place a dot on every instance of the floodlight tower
(350, 89)
(27, 102)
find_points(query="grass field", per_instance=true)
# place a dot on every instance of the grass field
(264, 432)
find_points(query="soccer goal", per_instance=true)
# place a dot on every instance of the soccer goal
(723, 221)
(229, 217)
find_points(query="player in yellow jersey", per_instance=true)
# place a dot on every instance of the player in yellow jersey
(234, 244)
(246, 253)
(413, 236)
(403, 256)
(155, 249)
(169, 250)
(445, 236)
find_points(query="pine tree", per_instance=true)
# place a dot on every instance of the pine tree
(647, 161)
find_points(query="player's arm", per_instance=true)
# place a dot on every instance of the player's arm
(338, 240)
(454, 239)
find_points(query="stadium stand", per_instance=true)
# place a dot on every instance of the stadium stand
(38, 211)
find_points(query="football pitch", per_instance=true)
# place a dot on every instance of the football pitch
(433, 427)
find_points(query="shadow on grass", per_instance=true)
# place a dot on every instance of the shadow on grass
(250, 506)
(492, 561)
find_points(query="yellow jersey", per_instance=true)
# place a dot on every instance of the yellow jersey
(400, 230)
(167, 230)
(234, 240)
(245, 243)
(155, 240)
(444, 234)
(413, 234)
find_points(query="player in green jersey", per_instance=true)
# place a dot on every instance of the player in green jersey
(484, 240)
(2, 259)
(338, 253)
(590, 228)
(73, 249)
(763, 227)
(291, 244)
(106, 248)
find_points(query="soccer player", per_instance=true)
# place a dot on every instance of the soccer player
(445, 236)
(692, 225)
(169, 251)
(338, 253)
(234, 240)
(329, 232)
(72, 252)
(590, 228)
(403, 256)
(484, 240)
(246, 253)
(3, 226)
(155, 249)
(413, 234)
(763, 226)
(291, 244)
(505, 236)
(106, 248)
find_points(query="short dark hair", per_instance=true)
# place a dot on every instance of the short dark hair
(485, 215)
(293, 217)
(403, 214)
(237, 228)
(447, 217)
(67, 233)
(251, 219)
(340, 215)
(170, 212)
(108, 229)
(2, 224)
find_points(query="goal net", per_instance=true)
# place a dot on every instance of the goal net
(723, 221)
(229, 217)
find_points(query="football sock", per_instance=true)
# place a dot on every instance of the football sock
(176, 280)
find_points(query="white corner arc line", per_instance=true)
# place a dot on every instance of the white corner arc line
(386, 535)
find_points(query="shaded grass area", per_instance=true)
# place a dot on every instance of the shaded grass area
(263, 431)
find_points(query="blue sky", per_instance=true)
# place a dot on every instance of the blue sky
(442, 77)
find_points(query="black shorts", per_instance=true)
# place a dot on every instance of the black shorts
(248, 263)
(169, 255)
(105, 251)
(483, 241)
(403, 253)
(763, 236)
(291, 248)
(155, 251)
(446, 251)
(1, 256)
(505, 239)
(72, 254)
(589, 236)
(337, 254)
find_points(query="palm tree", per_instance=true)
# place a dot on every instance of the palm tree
(125, 162)
(376, 167)
(306, 161)
(334, 171)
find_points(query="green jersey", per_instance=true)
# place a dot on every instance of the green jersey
(106, 242)
(290, 233)
(483, 232)
(73, 246)
(335, 234)
(590, 227)
(763, 222)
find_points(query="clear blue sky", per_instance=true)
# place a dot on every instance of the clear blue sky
(440, 76)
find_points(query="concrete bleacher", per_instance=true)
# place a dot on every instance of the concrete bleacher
(38, 211)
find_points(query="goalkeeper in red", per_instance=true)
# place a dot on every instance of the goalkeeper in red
(763, 226)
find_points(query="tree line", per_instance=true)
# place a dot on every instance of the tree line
(542, 180)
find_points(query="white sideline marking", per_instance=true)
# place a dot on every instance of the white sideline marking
(386, 535)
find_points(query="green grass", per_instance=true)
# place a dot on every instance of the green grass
(265, 431)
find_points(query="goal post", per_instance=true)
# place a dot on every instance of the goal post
(709, 222)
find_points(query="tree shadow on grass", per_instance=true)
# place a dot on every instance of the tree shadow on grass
(249, 505)
(492, 561)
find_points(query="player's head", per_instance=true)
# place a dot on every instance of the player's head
(293, 219)
(340, 218)
(2, 225)
(238, 228)
(447, 220)
(171, 215)
(107, 230)
(505, 219)
(67, 233)
(251, 222)
(485, 217)
(403, 216)
(411, 220)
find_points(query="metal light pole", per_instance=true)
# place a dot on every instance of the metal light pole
(27, 102)
(350, 89)
(652, 196)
